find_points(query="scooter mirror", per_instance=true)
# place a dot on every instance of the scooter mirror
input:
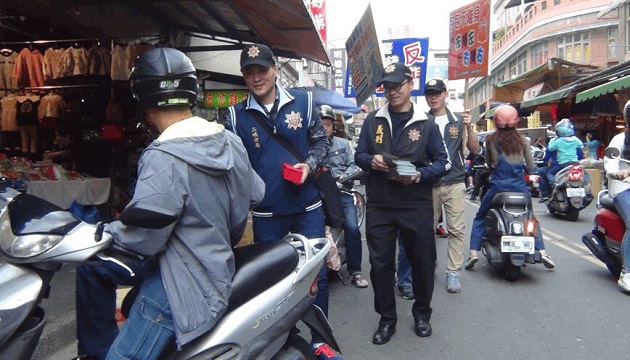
(612, 152)
(147, 216)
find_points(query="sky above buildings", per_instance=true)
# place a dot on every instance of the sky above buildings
(427, 18)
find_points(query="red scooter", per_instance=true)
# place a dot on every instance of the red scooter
(604, 240)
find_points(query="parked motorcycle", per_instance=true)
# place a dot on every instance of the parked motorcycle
(273, 288)
(508, 242)
(571, 192)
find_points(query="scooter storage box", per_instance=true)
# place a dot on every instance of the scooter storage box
(609, 223)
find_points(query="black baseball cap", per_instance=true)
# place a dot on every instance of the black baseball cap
(257, 54)
(395, 73)
(435, 85)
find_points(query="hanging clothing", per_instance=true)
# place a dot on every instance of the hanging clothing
(8, 121)
(49, 110)
(99, 60)
(27, 109)
(73, 61)
(121, 56)
(7, 63)
(51, 68)
(28, 70)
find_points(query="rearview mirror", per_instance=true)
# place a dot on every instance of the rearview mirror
(612, 152)
(147, 216)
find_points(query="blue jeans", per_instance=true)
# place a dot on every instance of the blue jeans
(149, 329)
(352, 235)
(96, 304)
(622, 204)
(403, 273)
(479, 223)
(310, 224)
(547, 176)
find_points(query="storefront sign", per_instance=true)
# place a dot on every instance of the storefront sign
(364, 57)
(338, 60)
(469, 41)
(318, 13)
(223, 99)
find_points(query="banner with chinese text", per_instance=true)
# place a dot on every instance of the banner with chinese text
(318, 12)
(469, 41)
(413, 52)
(223, 99)
(338, 61)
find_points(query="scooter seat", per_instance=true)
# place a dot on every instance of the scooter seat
(258, 267)
(510, 199)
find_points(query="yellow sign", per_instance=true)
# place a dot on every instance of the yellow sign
(533, 120)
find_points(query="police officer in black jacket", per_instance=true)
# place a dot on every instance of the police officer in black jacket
(401, 204)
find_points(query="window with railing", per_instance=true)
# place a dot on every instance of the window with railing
(612, 42)
(540, 53)
(575, 47)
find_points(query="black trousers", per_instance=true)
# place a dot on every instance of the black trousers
(415, 226)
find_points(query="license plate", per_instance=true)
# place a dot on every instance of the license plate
(510, 244)
(571, 192)
(536, 185)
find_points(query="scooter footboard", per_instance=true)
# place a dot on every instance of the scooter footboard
(22, 343)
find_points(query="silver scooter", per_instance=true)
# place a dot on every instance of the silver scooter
(273, 289)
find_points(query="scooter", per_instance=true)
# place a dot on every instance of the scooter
(508, 243)
(604, 240)
(571, 192)
(533, 180)
(274, 286)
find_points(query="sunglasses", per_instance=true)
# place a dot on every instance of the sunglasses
(394, 87)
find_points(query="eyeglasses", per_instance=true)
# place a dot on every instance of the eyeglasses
(394, 87)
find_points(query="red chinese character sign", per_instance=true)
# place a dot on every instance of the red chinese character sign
(318, 13)
(468, 54)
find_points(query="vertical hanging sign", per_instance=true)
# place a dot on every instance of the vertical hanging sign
(318, 12)
(338, 59)
(468, 55)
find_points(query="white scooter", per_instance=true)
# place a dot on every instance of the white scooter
(274, 286)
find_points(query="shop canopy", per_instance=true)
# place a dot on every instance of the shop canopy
(285, 25)
(589, 82)
(554, 73)
(603, 89)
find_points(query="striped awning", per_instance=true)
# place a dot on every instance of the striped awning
(603, 89)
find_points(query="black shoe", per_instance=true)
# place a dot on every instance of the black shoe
(543, 199)
(383, 334)
(406, 292)
(422, 328)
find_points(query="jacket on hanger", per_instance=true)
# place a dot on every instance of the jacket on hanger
(73, 61)
(27, 110)
(51, 63)
(8, 121)
(28, 70)
(99, 60)
(7, 63)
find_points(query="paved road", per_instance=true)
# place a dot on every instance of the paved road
(574, 312)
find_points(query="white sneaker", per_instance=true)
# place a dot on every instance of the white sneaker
(624, 281)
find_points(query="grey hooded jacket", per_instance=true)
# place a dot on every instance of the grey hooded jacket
(201, 172)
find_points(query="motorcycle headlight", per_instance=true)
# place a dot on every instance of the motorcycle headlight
(24, 246)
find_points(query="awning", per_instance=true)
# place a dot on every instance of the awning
(609, 87)
(555, 73)
(549, 97)
(284, 25)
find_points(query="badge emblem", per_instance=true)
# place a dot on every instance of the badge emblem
(293, 120)
(390, 68)
(414, 135)
(253, 51)
(432, 82)
(453, 131)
